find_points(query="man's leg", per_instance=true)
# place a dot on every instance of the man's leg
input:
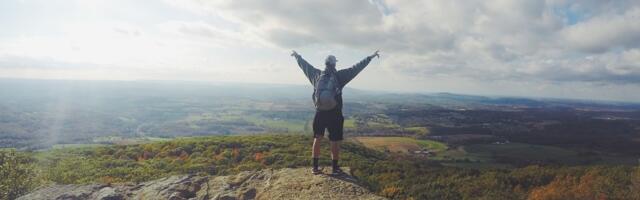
(335, 154)
(315, 152)
(335, 135)
(335, 150)
(318, 134)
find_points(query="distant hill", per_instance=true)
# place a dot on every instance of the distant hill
(27, 89)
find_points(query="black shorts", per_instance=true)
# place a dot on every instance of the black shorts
(330, 120)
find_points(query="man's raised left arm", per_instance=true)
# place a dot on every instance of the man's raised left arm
(348, 74)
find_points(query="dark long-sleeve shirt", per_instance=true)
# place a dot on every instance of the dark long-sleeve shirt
(343, 75)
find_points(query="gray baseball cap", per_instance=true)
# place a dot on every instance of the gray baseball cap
(331, 59)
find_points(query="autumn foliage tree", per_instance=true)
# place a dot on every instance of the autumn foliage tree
(596, 183)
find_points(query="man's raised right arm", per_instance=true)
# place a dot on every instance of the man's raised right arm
(309, 71)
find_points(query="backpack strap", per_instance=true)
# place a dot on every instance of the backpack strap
(339, 86)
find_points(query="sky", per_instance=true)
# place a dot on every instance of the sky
(586, 49)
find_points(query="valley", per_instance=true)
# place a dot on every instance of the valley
(398, 145)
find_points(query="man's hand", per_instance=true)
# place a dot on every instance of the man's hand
(375, 54)
(294, 53)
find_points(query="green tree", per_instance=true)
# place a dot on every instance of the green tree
(17, 174)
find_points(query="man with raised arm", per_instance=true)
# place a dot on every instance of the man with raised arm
(327, 98)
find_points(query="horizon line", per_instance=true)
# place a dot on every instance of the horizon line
(404, 92)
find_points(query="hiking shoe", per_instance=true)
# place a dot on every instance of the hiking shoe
(337, 171)
(315, 171)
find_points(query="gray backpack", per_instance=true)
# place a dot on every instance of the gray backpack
(326, 90)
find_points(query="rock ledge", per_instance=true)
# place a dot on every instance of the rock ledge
(265, 184)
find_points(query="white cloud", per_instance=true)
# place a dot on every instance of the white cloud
(605, 32)
(202, 30)
(460, 43)
(580, 41)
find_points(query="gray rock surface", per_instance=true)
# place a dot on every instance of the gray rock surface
(264, 184)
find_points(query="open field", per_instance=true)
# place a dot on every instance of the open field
(64, 146)
(399, 144)
(349, 123)
(105, 141)
(432, 145)
(281, 125)
(511, 152)
(421, 131)
(460, 154)
(240, 119)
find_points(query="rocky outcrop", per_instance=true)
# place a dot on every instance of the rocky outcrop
(264, 184)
